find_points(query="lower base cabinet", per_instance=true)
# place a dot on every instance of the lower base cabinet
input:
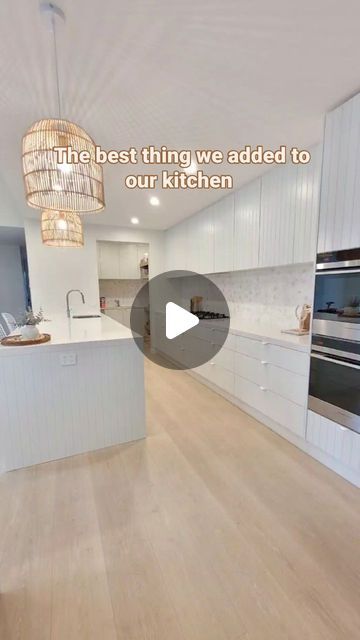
(337, 441)
(122, 315)
(271, 379)
(270, 382)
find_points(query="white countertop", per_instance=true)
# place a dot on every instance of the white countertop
(75, 331)
(262, 331)
(121, 306)
(273, 333)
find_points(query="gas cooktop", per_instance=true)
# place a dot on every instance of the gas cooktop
(210, 315)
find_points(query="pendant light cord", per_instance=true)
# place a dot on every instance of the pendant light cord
(56, 63)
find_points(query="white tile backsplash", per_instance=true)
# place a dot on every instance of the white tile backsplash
(263, 295)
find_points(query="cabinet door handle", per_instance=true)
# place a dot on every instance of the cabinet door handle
(264, 362)
(263, 388)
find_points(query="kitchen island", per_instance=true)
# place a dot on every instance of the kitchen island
(80, 392)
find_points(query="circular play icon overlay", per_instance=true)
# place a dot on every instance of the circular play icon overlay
(180, 320)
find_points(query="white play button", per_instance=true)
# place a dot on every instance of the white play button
(178, 320)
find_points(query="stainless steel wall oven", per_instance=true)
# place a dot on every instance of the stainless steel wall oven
(334, 389)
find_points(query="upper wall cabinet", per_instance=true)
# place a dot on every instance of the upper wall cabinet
(247, 226)
(278, 192)
(120, 260)
(307, 208)
(223, 231)
(201, 241)
(108, 260)
(176, 246)
(289, 213)
(271, 221)
(339, 226)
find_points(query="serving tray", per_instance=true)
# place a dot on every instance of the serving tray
(16, 341)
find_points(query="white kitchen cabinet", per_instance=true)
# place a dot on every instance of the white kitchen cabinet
(247, 226)
(339, 225)
(307, 208)
(129, 267)
(289, 213)
(223, 233)
(108, 260)
(340, 443)
(115, 314)
(176, 240)
(120, 260)
(123, 314)
(201, 241)
(277, 222)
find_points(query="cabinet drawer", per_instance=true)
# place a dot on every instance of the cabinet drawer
(286, 413)
(249, 368)
(249, 347)
(223, 378)
(287, 384)
(337, 441)
(218, 338)
(115, 314)
(225, 359)
(289, 359)
(203, 332)
(250, 394)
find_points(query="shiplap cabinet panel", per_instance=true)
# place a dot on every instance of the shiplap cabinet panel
(62, 411)
(177, 255)
(337, 441)
(289, 213)
(277, 223)
(201, 242)
(307, 207)
(339, 225)
(247, 226)
(223, 233)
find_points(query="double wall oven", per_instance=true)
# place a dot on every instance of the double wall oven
(334, 390)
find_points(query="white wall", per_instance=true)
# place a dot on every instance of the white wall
(53, 271)
(12, 294)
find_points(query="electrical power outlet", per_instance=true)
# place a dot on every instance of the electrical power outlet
(68, 359)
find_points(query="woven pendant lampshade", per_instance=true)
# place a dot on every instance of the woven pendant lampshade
(60, 187)
(61, 229)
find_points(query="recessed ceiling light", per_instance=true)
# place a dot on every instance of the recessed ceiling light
(192, 168)
(134, 220)
(154, 201)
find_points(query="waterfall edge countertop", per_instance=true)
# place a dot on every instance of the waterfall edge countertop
(65, 331)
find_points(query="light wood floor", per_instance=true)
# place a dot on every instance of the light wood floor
(213, 528)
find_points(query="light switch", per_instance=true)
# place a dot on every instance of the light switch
(68, 359)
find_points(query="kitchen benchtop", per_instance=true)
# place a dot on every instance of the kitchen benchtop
(262, 331)
(122, 306)
(65, 331)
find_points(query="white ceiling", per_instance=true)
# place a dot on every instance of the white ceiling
(189, 74)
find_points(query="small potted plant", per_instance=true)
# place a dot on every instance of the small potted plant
(28, 324)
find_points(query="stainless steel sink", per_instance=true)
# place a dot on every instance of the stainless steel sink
(86, 316)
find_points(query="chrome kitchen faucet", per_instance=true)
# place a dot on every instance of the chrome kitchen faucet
(67, 299)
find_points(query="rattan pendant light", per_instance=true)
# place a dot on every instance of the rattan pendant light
(48, 183)
(61, 229)
(60, 187)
